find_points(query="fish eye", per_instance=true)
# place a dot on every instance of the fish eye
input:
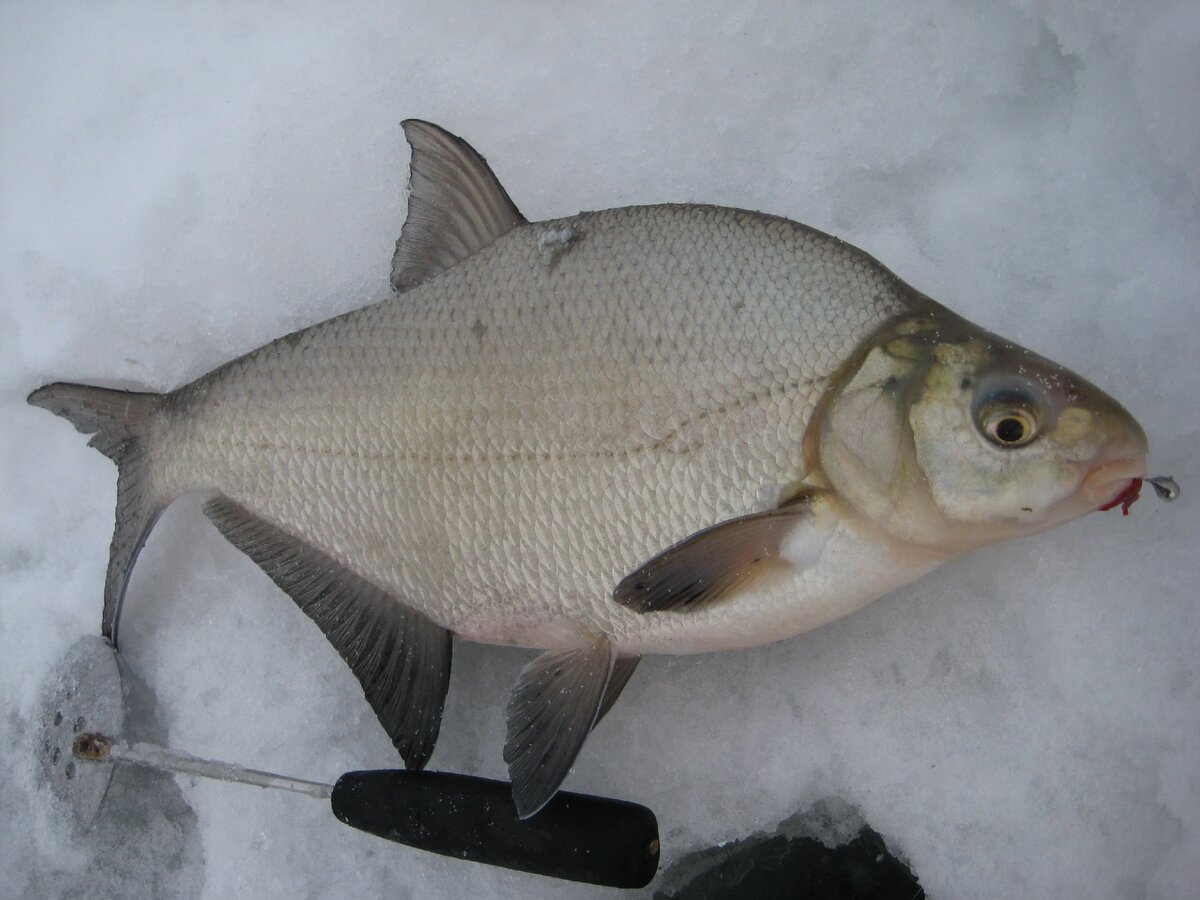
(1009, 419)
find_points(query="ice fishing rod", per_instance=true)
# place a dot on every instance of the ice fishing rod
(577, 837)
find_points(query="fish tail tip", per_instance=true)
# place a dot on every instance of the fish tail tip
(42, 395)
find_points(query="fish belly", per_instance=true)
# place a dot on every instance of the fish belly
(500, 445)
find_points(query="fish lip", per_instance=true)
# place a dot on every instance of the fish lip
(1110, 480)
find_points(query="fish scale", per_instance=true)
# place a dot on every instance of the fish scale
(583, 380)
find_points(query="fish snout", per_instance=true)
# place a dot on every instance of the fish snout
(1113, 478)
(1114, 475)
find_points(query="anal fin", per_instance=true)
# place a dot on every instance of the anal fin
(552, 710)
(401, 658)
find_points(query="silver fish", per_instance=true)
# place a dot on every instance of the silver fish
(658, 429)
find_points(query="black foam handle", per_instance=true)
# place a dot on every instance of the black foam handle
(575, 836)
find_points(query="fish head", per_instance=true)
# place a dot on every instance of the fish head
(948, 436)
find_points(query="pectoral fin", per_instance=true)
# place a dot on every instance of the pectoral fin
(712, 564)
(552, 710)
(401, 658)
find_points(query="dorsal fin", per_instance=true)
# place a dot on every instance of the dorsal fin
(456, 206)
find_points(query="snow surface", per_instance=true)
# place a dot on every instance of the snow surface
(182, 182)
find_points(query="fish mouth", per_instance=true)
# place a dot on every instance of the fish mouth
(1114, 483)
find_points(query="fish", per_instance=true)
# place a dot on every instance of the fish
(666, 429)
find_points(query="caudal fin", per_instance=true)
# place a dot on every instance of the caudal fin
(119, 422)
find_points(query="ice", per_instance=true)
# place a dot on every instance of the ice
(180, 183)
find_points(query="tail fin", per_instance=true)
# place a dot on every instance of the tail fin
(119, 421)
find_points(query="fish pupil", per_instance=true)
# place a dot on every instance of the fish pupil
(1010, 430)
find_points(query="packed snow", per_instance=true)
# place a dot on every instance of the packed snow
(180, 183)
